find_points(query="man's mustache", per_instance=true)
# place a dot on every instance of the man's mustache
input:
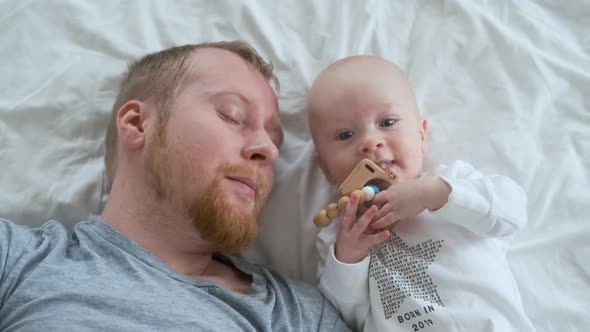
(245, 172)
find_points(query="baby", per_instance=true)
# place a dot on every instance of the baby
(442, 267)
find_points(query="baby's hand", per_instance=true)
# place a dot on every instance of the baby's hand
(408, 198)
(355, 237)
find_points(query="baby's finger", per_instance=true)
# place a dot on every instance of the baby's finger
(384, 210)
(377, 238)
(388, 220)
(365, 220)
(349, 218)
(381, 198)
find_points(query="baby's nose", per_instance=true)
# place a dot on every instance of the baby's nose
(370, 144)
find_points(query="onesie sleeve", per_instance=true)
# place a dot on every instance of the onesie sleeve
(346, 286)
(489, 205)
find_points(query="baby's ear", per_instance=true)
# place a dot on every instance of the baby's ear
(424, 135)
(323, 167)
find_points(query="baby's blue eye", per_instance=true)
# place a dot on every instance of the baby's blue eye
(387, 123)
(345, 135)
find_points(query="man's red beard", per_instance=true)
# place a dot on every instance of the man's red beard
(227, 228)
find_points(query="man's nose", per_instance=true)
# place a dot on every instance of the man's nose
(370, 143)
(261, 148)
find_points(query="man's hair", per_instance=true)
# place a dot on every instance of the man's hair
(159, 76)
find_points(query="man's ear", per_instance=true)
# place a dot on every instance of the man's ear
(323, 167)
(424, 135)
(131, 120)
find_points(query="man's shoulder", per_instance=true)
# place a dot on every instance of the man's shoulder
(15, 236)
(10, 228)
(17, 242)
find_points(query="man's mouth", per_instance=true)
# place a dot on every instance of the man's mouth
(245, 180)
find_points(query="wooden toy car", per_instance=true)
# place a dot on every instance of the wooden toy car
(367, 178)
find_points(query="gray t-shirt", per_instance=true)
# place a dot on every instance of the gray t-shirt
(97, 279)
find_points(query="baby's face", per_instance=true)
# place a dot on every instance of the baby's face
(373, 116)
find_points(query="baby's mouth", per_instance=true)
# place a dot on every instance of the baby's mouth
(386, 164)
(381, 183)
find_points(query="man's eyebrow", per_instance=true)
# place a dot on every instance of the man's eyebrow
(221, 94)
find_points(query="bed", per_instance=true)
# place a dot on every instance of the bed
(504, 84)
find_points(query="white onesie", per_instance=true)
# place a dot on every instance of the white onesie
(444, 270)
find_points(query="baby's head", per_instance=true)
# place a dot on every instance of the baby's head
(364, 107)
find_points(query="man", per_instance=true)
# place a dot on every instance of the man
(189, 148)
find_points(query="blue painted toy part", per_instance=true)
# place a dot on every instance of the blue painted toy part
(375, 188)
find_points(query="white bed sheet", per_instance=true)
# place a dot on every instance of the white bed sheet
(504, 84)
